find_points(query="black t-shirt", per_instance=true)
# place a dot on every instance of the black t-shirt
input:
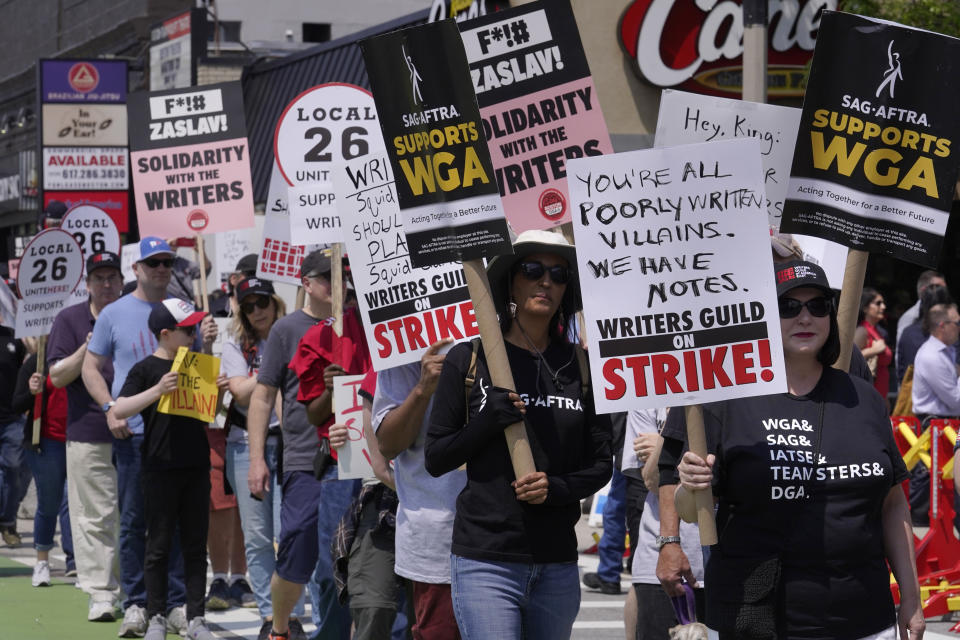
(823, 521)
(169, 441)
(568, 440)
(12, 353)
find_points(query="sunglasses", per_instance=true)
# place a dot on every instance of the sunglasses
(534, 271)
(262, 302)
(818, 307)
(153, 263)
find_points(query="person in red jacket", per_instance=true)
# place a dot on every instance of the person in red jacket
(47, 461)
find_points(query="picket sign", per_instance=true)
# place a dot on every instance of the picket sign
(458, 217)
(353, 459)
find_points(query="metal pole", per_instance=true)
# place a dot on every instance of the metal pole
(755, 50)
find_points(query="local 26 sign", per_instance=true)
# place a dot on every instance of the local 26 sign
(697, 45)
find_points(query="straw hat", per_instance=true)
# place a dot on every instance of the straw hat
(526, 244)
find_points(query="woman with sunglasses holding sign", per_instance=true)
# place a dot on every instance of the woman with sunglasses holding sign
(259, 307)
(514, 553)
(808, 482)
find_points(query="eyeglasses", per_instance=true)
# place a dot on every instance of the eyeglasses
(153, 263)
(818, 307)
(534, 271)
(262, 302)
(191, 330)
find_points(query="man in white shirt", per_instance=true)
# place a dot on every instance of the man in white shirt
(936, 388)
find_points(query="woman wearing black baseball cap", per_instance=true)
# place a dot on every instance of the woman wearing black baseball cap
(808, 485)
(514, 553)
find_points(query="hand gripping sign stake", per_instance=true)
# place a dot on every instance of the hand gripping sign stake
(497, 363)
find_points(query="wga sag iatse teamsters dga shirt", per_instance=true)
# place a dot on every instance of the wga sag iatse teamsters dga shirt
(820, 517)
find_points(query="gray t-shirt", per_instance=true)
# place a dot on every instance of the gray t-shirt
(300, 438)
(644, 569)
(427, 504)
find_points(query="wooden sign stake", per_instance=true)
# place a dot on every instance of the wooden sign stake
(497, 363)
(697, 440)
(336, 274)
(38, 399)
(202, 260)
(853, 275)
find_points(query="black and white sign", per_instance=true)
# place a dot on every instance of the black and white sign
(50, 269)
(85, 125)
(680, 305)
(405, 309)
(874, 167)
(431, 124)
(323, 126)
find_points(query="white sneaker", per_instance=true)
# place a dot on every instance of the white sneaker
(157, 629)
(134, 623)
(197, 630)
(177, 620)
(101, 611)
(41, 574)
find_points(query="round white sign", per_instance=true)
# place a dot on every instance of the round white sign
(323, 126)
(51, 266)
(92, 228)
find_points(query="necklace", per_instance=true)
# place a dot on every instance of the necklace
(554, 375)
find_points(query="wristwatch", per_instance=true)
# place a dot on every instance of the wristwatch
(665, 540)
(106, 406)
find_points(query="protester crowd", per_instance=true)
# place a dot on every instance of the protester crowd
(446, 541)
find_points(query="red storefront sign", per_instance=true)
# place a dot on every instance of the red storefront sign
(115, 203)
(697, 45)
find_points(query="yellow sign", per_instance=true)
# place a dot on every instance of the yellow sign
(196, 392)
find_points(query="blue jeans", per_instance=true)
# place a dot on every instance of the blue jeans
(514, 601)
(11, 462)
(260, 521)
(49, 469)
(66, 534)
(610, 549)
(133, 530)
(332, 618)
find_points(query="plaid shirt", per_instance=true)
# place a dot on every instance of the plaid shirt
(386, 501)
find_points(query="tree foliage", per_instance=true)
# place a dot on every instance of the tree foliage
(941, 16)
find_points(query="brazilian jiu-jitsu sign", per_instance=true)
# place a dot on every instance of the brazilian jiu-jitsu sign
(539, 106)
(191, 171)
(431, 124)
(671, 235)
(874, 166)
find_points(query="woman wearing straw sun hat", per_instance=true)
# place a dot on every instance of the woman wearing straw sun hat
(514, 553)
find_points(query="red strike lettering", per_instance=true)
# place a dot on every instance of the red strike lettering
(420, 330)
(691, 370)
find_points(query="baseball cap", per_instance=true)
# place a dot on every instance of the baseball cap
(800, 273)
(102, 259)
(54, 209)
(151, 246)
(315, 264)
(247, 264)
(254, 286)
(173, 312)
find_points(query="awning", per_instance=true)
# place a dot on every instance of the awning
(269, 87)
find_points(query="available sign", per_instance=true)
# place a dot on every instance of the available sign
(191, 171)
(83, 80)
(405, 309)
(196, 392)
(539, 106)
(76, 168)
(50, 269)
(678, 229)
(874, 167)
(431, 123)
